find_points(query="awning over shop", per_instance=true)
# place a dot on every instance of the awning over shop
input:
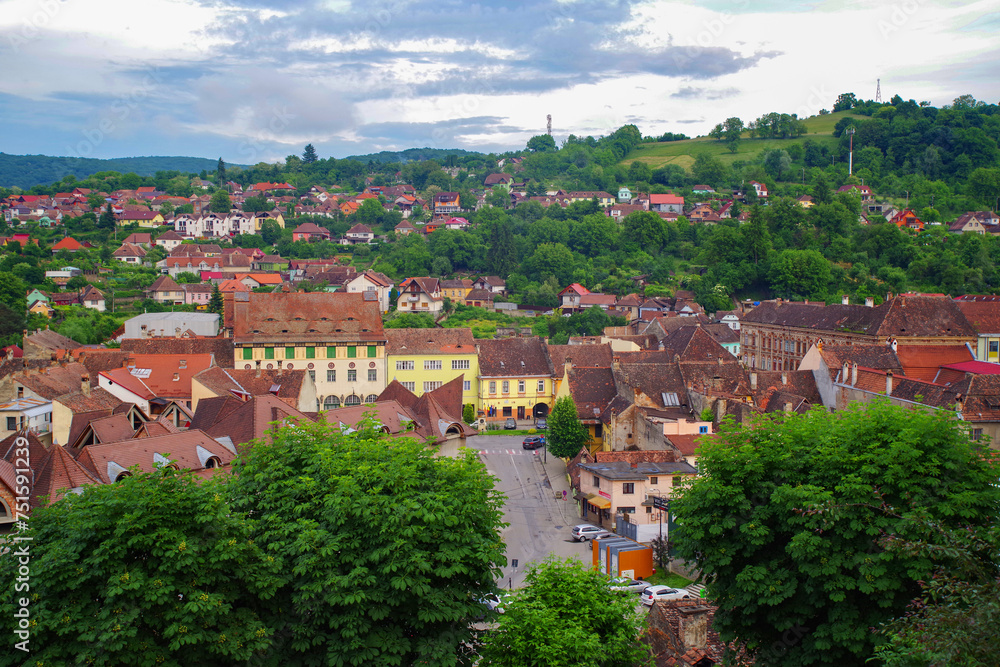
(598, 501)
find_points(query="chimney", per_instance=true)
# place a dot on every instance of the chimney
(788, 407)
(845, 300)
(888, 296)
(692, 627)
(720, 361)
(85, 385)
(843, 373)
(784, 378)
(177, 332)
(869, 302)
(279, 367)
(753, 382)
(569, 363)
(616, 363)
(854, 375)
(258, 368)
(888, 383)
(958, 403)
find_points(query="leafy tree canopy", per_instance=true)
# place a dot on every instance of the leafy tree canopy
(565, 616)
(787, 517)
(383, 547)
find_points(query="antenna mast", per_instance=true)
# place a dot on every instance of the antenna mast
(878, 90)
(549, 125)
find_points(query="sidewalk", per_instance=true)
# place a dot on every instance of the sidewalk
(555, 472)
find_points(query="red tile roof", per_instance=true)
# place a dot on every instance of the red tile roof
(319, 317)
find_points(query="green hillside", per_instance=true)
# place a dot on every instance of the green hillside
(656, 155)
(25, 171)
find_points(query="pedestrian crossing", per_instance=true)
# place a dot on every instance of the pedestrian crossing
(510, 452)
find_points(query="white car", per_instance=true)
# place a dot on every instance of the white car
(653, 593)
(585, 532)
(494, 603)
(626, 585)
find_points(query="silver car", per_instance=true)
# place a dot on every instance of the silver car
(585, 532)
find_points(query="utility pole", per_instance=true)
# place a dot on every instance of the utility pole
(850, 154)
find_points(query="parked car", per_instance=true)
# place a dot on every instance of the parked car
(510, 424)
(533, 442)
(541, 424)
(494, 602)
(653, 593)
(626, 585)
(604, 536)
(585, 532)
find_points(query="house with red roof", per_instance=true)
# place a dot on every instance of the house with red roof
(909, 219)
(570, 296)
(667, 203)
(310, 231)
(69, 244)
(150, 381)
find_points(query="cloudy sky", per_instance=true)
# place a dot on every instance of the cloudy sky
(254, 81)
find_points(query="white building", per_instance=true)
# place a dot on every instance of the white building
(171, 325)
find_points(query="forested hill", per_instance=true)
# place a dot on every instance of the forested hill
(26, 171)
(440, 155)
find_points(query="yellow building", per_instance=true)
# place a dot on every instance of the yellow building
(456, 290)
(336, 337)
(515, 378)
(424, 359)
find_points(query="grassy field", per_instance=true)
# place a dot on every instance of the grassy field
(819, 129)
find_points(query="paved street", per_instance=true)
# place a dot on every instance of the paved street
(539, 524)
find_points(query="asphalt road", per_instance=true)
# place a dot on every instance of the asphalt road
(539, 525)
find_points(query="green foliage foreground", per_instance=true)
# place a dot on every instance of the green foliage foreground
(567, 616)
(791, 522)
(324, 548)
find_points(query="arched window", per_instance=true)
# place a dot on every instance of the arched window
(331, 402)
(352, 400)
(122, 476)
(6, 516)
(213, 462)
(371, 398)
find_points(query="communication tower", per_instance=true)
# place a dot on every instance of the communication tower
(549, 125)
(878, 90)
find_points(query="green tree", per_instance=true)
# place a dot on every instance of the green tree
(188, 277)
(503, 251)
(953, 620)
(565, 616)
(220, 173)
(566, 434)
(270, 231)
(469, 413)
(156, 567)
(733, 129)
(220, 202)
(107, 219)
(708, 169)
(786, 519)
(799, 273)
(309, 154)
(845, 102)
(216, 304)
(384, 548)
(541, 143)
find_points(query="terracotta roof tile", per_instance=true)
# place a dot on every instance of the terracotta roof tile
(514, 357)
(430, 341)
(189, 449)
(316, 316)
